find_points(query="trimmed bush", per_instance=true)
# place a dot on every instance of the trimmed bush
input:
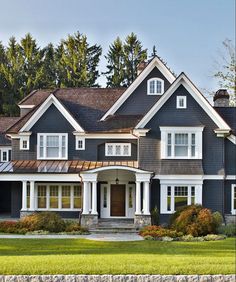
(12, 227)
(159, 232)
(47, 221)
(229, 230)
(194, 220)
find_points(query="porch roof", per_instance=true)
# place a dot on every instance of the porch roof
(73, 167)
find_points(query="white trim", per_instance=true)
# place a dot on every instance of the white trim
(54, 177)
(140, 132)
(233, 187)
(178, 99)
(164, 195)
(165, 130)
(5, 150)
(77, 139)
(231, 177)
(222, 132)
(183, 79)
(45, 135)
(42, 109)
(113, 146)
(117, 167)
(156, 62)
(101, 135)
(232, 138)
(194, 177)
(26, 106)
(72, 185)
(155, 79)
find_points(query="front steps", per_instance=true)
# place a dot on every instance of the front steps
(114, 225)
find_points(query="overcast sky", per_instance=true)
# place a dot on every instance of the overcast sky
(188, 33)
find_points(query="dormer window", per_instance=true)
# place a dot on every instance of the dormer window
(155, 86)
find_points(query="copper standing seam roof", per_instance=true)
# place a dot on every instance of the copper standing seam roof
(59, 166)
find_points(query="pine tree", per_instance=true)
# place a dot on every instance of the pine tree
(2, 79)
(49, 71)
(77, 62)
(115, 58)
(133, 55)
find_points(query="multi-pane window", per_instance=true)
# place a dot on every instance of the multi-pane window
(77, 197)
(118, 149)
(24, 143)
(5, 155)
(52, 146)
(42, 197)
(64, 196)
(174, 197)
(130, 197)
(155, 86)
(105, 197)
(80, 143)
(181, 102)
(181, 145)
(233, 195)
(54, 197)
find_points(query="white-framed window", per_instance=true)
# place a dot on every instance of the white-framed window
(5, 154)
(24, 143)
(233, 199)
(181, 142)
(64, 196)
(174, 197)
(52, 146)
(155, 86)
(118, 149)
(79, 143)
(181, 102)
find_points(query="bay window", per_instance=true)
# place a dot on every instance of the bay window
(174, 197)
(52, 145)
(181, 143)
(59, 197)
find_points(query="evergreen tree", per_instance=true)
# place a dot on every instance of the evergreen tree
(133, 55)
(2, 80)
(49, 71)
(77, 62)
(115, 58)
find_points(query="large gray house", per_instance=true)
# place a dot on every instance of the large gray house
(117, 153)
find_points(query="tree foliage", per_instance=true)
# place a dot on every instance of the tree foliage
(226, 69)
(123, 59)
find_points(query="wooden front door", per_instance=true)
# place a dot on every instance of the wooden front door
(117, 200)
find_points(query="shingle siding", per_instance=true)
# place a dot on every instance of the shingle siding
(139, 102)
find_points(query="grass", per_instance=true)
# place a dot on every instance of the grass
(81, 256)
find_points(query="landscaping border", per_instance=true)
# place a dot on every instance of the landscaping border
(118, 278)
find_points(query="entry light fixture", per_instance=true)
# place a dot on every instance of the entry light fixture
(117, 179)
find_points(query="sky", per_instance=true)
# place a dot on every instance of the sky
(188, 34)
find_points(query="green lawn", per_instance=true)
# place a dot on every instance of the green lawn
(80, 256)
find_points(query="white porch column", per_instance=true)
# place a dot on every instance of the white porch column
(86, 198)
(32, 196)
(138, 198)
(146, 194)
(24, 195)
(94, 197)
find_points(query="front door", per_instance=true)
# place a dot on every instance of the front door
(117, 200)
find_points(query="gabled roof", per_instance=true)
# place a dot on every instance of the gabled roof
(42, 109)
(155, 62)
(182, 79)
(5, 123)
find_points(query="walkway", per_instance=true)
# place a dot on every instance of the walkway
(97, 237)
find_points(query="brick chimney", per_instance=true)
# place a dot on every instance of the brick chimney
(141, 66)
(221, 98)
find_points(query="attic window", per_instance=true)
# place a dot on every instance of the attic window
(181, 102)
(155, 86)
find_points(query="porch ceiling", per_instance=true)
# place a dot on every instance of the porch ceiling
(73, 167)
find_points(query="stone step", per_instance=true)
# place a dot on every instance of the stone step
(112, 230)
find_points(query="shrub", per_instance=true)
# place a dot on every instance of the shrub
(213, 237)
(148, 238)
(72, 227)
(47, 221)
(155, 216)
(218, 219)
(158, 232)
(228, 230)
(12, 227)
(194, 220)
(190, 238)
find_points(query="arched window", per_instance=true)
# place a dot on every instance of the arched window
(155, 86)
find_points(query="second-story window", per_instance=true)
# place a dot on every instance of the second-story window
(52, 145)
(118, 149)
(155, 86)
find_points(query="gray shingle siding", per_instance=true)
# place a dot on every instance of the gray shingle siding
(193, 115)
(139, 102)
(230, 158)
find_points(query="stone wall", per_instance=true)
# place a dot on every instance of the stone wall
(118, 278)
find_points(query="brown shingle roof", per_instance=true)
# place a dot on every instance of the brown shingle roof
(5, 123)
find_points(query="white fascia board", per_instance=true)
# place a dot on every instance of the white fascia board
(56, 177)
(105, 135)
(118, 167)
(232, 138)
(154, 63)
(140, 132)
(42, 109)
(182, 79)
(26, 106)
